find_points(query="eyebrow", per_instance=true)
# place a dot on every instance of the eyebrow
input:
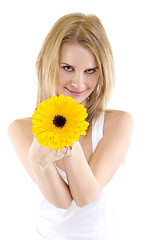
(75, 66)
(68, 64)
(92, 68)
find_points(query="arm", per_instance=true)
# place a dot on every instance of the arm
(86, 180)
(83, 184)
(52, 186)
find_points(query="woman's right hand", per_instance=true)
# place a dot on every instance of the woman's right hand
(42, 157)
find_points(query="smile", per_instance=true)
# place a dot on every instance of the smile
(75, 92)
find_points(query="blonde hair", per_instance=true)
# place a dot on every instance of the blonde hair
(87, 31)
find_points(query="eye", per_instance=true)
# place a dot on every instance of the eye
(68, 68)
(91, 71)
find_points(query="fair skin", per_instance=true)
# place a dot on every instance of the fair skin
(78, 73)
(87, 172)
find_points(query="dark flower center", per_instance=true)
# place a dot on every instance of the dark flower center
(59, 121)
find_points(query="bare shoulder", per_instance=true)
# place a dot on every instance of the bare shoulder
(118, 119)
(22, 121)
(21, 128)
(113, 147)
(20, 132)
(118, 129)
(21, 136)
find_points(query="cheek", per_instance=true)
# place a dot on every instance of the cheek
(62, 79)
(92, 82)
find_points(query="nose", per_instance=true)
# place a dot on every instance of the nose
(78, 81)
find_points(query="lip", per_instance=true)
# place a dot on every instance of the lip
(75, 92)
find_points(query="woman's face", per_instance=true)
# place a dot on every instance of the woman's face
(78, 72)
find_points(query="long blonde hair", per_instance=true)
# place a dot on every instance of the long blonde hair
(87, 31)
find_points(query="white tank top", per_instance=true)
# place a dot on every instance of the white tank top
(95, 221)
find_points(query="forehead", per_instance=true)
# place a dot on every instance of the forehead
(77, 55)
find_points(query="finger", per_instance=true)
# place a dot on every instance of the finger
(69, 151)
(60, 154)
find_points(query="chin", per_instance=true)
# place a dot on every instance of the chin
(78, 98)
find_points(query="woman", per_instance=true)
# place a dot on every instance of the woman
(76, 60)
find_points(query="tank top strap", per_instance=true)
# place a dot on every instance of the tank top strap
(97, 131)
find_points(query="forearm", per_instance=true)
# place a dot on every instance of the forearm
(52, 186)
(82, 182)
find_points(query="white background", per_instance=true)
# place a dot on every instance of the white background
(133, 28)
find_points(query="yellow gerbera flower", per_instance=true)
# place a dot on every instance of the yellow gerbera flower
(59, 121)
